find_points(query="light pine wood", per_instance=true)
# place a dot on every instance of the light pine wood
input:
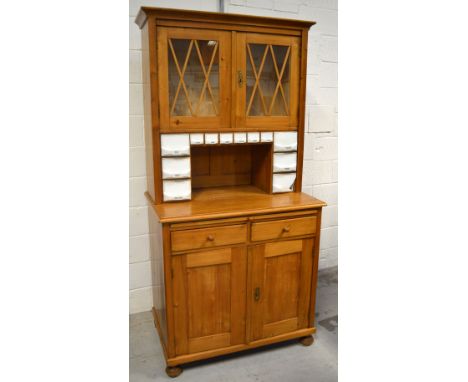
(237, 348)
(238, 264)
(200, 259)
(302, 109)
(174, 123)
(208, 237)
(280, 327)
(221, 165)
(215, 341)
(280, 288)
(243, 107)
(280, 229)
(228, 19)
(282, 248)
(224, 202)
(229, 27)
(209, 300)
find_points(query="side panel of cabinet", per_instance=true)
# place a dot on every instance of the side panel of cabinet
(209, 299)
(268, 81)
(194, 71)
(280, 287)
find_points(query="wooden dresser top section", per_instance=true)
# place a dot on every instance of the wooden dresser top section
(218, 17)
(224, 202)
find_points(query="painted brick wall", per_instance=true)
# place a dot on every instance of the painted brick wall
(321, 138)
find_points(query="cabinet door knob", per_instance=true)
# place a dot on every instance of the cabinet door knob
(210, 238)
(286, 229)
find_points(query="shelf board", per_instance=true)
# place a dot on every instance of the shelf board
(232, 201)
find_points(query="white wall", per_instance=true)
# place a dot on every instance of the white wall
(320, 177)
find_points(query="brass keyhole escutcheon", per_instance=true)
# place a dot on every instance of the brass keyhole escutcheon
(257, 294)
(240, 78)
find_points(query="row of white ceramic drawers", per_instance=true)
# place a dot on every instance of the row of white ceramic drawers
(179, 167)
(179, 144)
(182, 189)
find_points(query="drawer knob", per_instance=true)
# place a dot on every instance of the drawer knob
(286, 229)
(210, 238)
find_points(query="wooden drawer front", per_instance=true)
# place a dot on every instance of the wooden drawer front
(278, 229)
(208, 237)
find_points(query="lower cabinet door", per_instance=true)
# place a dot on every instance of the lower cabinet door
(209, 291)
(280, 287)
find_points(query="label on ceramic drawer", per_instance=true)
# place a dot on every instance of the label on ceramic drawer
(225, 138)
(283, 182)
(211, 139)
(240, 137)
(253, 137)
(266, 137)
(196, 139)
(177, 190)
(173, 168)
(284, 162)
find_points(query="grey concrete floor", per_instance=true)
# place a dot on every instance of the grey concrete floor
(285, 362)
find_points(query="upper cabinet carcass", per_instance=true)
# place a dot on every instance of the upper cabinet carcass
(194, 71)
(268, 68)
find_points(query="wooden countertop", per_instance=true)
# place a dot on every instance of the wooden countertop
(222, 202)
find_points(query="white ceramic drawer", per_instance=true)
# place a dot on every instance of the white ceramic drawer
(175, 144)
(196, 139)
(211, 139)
(240, 137)
(177, 190)
(283, 182)
(253, 137)
(266, 137)
(175, 168)
(284, 162)
(285, 141)
(225, 138)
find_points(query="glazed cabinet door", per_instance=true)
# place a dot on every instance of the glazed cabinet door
(267, 84)
(209, 299)
(280, 285)
(194, 73)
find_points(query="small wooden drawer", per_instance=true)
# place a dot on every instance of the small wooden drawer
(208, 237)
(278, 229)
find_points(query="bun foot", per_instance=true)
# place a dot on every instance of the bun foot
(173, 371)
(307, 341)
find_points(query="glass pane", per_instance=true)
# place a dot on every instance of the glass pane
(197, 94)
(270, 63)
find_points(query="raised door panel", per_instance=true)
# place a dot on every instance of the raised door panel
(281, 276)
(267, 85)
(194, 71)
(209, 299)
